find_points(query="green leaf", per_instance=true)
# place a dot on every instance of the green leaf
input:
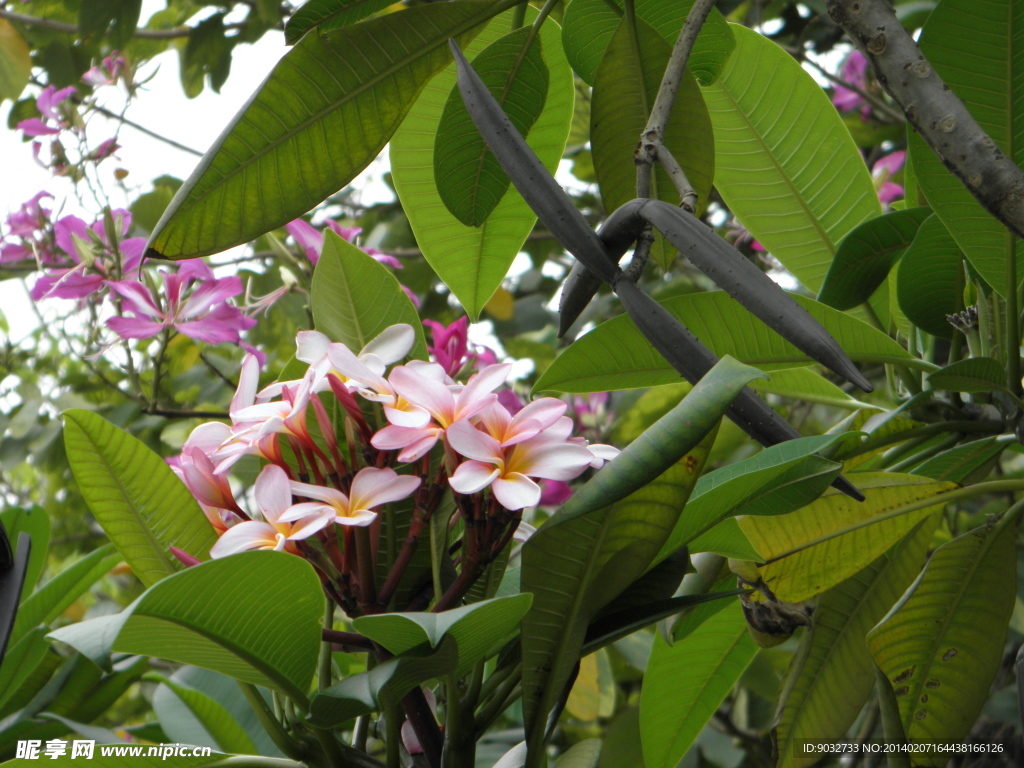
(328, 15)
(941, 644)
(809, 386)
(987, 79)
(368, 691)
(207, 53)
(784, 163)
(23, 657)
(579, 561)
(582, 754)
(726, 539)
(834, 537)
(480, 630)
(930, 279)
(473, 261)
(833, 655)
(320, 117)
(625, 87)
(959, 463)
(615, 355)
(140, 503)
(468, 177)
(975, 375)
(15, 62)
(590, 24)
(50, 600)
(686, 682)
(354, 297)
(254, 616)
(227, 734)
(119, 16)
(36, 524)
(778, 480)
(865, 256)
(126, 761)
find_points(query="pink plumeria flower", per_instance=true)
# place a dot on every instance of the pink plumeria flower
(509, 471)
(443, 406)
(884, 169)
(274, 498)
(388, 347)
(48, 103)
(529, 421)
(204, 315)
(451, 344)
(286, 416)
(371, 488)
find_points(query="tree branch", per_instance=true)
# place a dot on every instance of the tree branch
(937, 114)
(71, 29)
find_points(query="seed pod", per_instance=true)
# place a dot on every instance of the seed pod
(538, 187)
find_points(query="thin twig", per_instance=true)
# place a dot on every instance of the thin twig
(147, 131)
(875, 102)
(687, 197)
(71, 29)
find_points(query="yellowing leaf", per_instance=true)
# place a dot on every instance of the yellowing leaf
(15, 64)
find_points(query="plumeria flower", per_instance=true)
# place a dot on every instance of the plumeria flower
(73, 235)
(286, 416)
(196, 468)
(371, 487)
(883, 170)
(107, 72)
(529, 421)
(274, 498)
(196, 306)
(443, 406)
(509, 471)
(48, 103)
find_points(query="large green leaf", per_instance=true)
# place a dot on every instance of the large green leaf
(468, 177)
(837, 536)
(473, 261)
(479, 630)
(615, 355)
(578, 563)
(809, 386)
(226, 733)
(326, 110)
(833, 654)
(865, 256)
(23, 657)
(784, 162)
(140, 503)
(326, 15)
(368, 691)
(778, 480)
(354, 297)
(988, 78)
(959, 463)
(590, 24)
(930, 279)
(50, 600)
(685, 683)
(941, 644)
(625, 87)
(975, 374)
(255, 616)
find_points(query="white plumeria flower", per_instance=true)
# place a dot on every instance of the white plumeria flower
(371, 487)
(274, 497)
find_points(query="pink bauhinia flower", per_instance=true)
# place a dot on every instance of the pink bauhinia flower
(72, 236)
(274, 498)
(884, 169)
(107, 72)
(853, 71)
(371, 488)
(27, 225)
(196, 306)
(311, 240)
(48, 103)
(450, 344)
(443, 406)
(509, 472)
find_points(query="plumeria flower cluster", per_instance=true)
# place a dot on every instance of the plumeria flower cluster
(325, 479)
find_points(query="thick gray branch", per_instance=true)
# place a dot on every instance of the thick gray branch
(938, 114)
